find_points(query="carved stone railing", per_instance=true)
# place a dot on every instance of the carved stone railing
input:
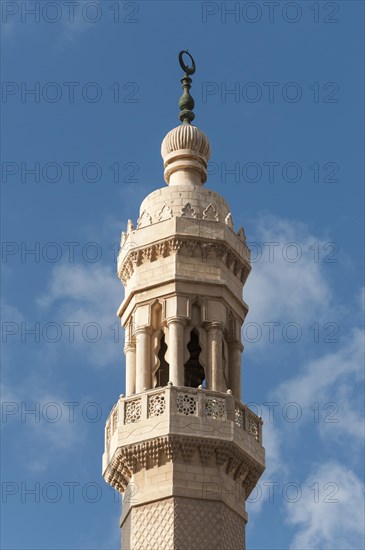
(172, 401)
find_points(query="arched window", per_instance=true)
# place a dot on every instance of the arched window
(194, 374)
(162, 373)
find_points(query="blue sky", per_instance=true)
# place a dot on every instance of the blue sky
(106, 80)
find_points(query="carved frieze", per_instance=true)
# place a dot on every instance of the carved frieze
(155, 452)
(186, 246)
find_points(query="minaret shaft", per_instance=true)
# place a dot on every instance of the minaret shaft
(180, 446)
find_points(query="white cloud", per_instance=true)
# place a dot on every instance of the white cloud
(333, 517)
(7, 396)
(362, 299)
(93, 285)
(12, 318)
(84, 295)
(301, 292)
(47, 423)
(276, 468)
(80, 18)
(335, 377)
(75, 293)
(11, 312)
(279, 289)
(49, 440)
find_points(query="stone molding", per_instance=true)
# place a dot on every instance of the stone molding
(185, 246)
(130, 459)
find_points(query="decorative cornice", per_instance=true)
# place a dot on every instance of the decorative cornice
(188, 246)
(173, 448)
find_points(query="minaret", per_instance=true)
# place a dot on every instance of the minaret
(181, 447)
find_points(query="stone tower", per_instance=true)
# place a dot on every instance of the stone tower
(181, 447)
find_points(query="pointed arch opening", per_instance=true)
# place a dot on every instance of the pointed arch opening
(163, 371)
(194, 374)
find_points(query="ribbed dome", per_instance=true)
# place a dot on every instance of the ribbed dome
(186, 136)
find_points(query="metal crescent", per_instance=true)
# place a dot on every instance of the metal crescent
(186, 68)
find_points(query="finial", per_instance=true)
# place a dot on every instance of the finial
(186, 102)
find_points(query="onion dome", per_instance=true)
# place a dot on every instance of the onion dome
(185, 152)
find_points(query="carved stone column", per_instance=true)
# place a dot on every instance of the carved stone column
(176, 350)
(143, 359)
(215, 334)
(234, 367)
(130, 367)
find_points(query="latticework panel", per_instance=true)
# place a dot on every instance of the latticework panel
(156, 405)
(150, 527)
(183, 524)
(186, 404)
(215, 407)
(133, 411)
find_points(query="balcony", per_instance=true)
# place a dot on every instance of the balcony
(182, 411)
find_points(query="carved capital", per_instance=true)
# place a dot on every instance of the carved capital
(129, 346)
(213, 326)
(138, 330)
(178, 320)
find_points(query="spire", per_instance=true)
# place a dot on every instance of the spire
(185, 149)
(186, 102)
